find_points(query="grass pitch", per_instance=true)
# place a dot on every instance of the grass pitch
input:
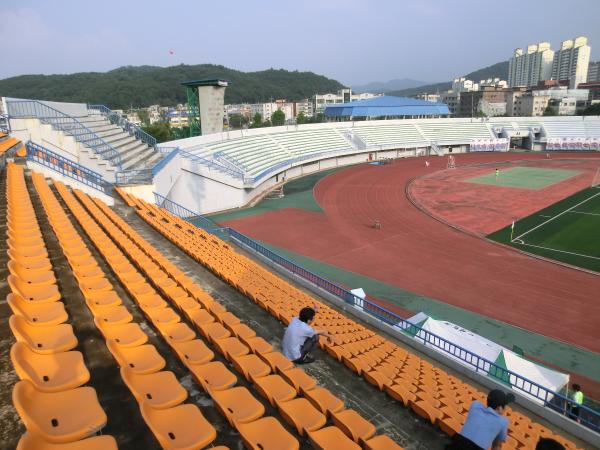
(524, 177)
(568, 231)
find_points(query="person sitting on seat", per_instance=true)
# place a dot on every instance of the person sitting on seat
(300, 339)
(485, 427)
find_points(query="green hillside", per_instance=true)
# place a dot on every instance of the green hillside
(149, 85)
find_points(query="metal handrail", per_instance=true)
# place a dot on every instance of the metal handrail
(212, 164)
(117, 119)
(553, 400)
(67, 167)
(67, 124)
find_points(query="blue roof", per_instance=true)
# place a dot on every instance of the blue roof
(387, 106)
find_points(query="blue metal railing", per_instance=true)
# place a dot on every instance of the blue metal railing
(237, 174)
(67, 124)
(164, 161)
(117, 119)
(554, 400)
(67, 167)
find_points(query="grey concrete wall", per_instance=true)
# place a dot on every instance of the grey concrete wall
(211, 109)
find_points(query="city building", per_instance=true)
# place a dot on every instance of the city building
(572, 61)
(472, 102)
(178, 118)
(512, 97)
(435, 98)
(464, 85)
(529, 104)
(593, 72)
(594, 91)
(528, 68)
(452, 100)
(320, 101)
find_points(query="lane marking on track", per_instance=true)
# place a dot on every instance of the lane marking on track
(547, 217)
(556, 250)
(557, 216)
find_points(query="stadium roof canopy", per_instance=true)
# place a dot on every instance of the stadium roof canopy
(387, 106)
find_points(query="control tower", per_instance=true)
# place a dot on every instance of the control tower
(205, 105)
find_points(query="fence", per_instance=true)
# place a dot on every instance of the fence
(69, 125)
(554, 400)
(66, 167)
(117, 119)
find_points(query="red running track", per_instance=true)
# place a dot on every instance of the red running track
(421, 254)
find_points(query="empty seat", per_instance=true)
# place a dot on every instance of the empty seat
(332, 438)
(36, 277)
(31, 441)
(49, 373)
(213, 331)
(251, 366)
(324, 400)
(381, 442)
(267, 434)
(213, 376)
(36, 263)
(354, 425)
(277, 361)
(182, 427)
(59, 416)
(113, 315)
(426, 410)
(298, 378)
(102, 298)
(52, 313)
(302, 415)
(159, 390)
(33, 293)
(142, 359)
(238, 405)
(124, 334)
(193, 352)
(176, 332)
(230, 347)
(257, 344)
(274, 388)
(48, 339)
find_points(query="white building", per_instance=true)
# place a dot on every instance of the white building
(530, 67)
(593, 72)
(320, 101)
(464, 85)
(571, 62)
(452, 100)
(492, 82)
(429, 97)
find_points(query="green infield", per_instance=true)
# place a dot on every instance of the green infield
(524, 177)
(568, 231)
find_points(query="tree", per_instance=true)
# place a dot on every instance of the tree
(301, 118)
(549, 111)
(160, 130)
(237, 120)
(144, 116)
(256, 121)
(592, 110)
(278, 118)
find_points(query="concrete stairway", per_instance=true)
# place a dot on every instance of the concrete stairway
(135, 154)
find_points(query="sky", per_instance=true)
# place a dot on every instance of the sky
(352, 41)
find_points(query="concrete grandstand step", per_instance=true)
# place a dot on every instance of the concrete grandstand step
(119, 139)
(136, 160)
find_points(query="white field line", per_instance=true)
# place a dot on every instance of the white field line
(561, 251)
(586, 213)
(556, 216)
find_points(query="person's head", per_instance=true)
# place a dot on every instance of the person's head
(576, 387)
(306, 315)
(498, 400)
(549, 444)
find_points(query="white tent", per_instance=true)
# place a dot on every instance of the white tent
(491, 351)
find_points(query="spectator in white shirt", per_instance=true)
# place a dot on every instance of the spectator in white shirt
(300, 339)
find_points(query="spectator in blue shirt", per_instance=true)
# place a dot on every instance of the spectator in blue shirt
(485, 427)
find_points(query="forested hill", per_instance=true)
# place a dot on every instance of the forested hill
(149, 85)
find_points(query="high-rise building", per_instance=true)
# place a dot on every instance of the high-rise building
(593, 72)
(571, 62)
(530, 67)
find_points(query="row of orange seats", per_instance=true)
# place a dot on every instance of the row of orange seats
(300, 401)
(50, 399)
(383, 363)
